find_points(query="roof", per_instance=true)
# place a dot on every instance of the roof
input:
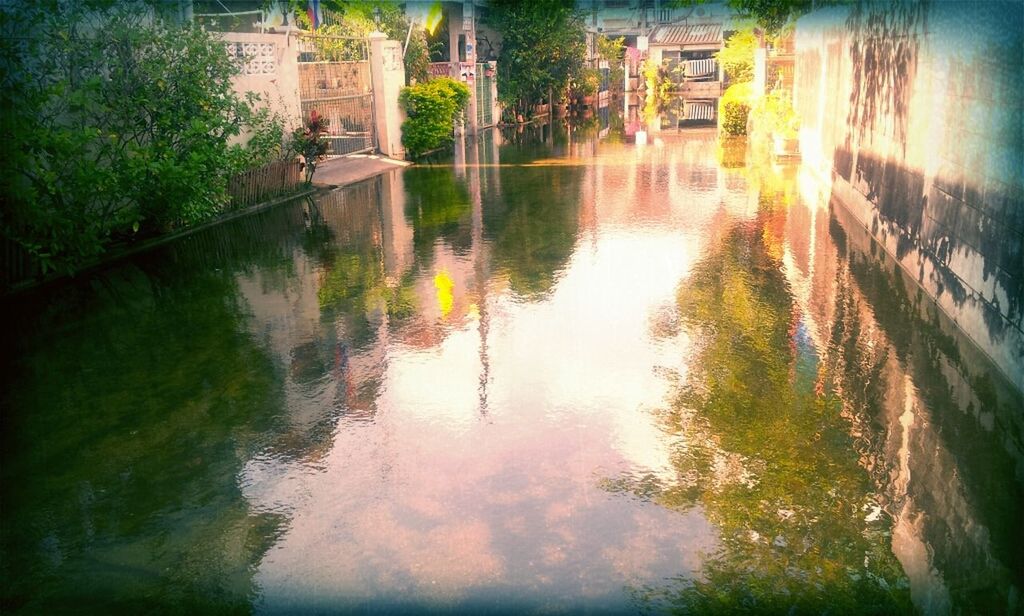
(697, 34)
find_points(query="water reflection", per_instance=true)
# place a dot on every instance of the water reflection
(551, 374)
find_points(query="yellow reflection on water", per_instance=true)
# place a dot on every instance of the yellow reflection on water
(445, 299)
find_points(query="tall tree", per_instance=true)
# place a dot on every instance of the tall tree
(543, 48)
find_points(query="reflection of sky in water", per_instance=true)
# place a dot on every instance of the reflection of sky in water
(583, 382)
(441, 499)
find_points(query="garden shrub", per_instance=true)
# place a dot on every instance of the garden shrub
(734, 107)
(431, 109)
(115, 125)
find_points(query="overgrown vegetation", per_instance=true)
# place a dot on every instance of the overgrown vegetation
(358, 18)
(737, 56)
(431, 109)
(115, 125)
(587, 83)
(770, 15)
(774, 114)
(657, 81)
(613, 50)
(543, 49)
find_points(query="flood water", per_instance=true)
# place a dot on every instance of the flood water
(555, 374)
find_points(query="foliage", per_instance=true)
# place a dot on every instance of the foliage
(358, 18)
(613, 50)
(113, 125)
(770, 15)
(431, 109)
(769, 457)
(543, 47)
(265, 139)
(659, 84)
(307, 142)
(737, 57)
(774, 113)
(773, 15)
(733, 108)
(586, 84)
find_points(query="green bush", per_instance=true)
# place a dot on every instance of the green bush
(734, 107)
(431, 109)
(114, 125)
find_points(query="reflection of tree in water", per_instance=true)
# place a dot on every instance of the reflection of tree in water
(766, 453)
(437, 205)
(533, 223)
(119, 482)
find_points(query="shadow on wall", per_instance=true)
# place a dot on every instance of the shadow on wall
(885, 57)
(931, 148)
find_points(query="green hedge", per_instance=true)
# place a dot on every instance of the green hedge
(431, 109)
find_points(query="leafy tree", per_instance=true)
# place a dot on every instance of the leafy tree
(611, 49)
(737, 57)
(114, 123)
(543, 48)
(770, 15)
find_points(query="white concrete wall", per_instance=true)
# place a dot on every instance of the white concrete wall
(913, 112)
(270, 69)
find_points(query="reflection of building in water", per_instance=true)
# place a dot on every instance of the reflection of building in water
(924, 402)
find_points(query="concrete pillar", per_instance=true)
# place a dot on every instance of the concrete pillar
(760, 70)
(387, 76)
(469, 30)
(495, 105)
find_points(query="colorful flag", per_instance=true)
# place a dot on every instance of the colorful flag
(313, 11)
(434, 17)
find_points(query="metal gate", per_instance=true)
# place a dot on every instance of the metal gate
(484, 99)
(334, 80)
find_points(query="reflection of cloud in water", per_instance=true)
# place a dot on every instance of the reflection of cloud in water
(504, 510)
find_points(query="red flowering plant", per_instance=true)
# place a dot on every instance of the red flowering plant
(307, 142)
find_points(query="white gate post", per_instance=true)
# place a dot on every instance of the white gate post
(387, 76)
